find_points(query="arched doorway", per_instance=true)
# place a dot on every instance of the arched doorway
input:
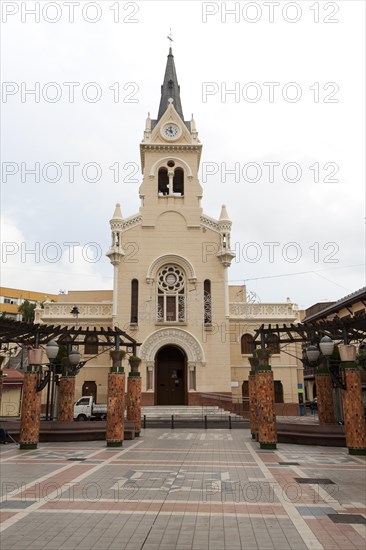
(171, 383)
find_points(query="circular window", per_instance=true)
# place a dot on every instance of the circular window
(171, 279)
(171, 163)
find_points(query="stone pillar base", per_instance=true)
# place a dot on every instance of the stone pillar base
(360, 452)
(114, 443)
(28, 446)
(268, 445)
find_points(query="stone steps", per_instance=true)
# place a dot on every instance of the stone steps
(181, 412)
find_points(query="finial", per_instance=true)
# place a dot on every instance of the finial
(224, 215)
(170, 36)
(170, 100)
(117, 213)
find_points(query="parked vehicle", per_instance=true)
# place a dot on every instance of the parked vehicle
(86, 409)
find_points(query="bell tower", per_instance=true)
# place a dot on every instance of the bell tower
(170, 156)
(171, 264)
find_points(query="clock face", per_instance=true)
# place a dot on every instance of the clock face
(171, 131)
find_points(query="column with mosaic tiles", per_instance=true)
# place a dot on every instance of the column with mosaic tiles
(324, 392)
(134, 400)
(30, 416)
(267, 431)
(66, 398)
(353, 410)
(115, 401)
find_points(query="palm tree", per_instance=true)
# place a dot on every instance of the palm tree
(27, 311)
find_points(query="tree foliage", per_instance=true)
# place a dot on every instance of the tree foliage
(27, 311)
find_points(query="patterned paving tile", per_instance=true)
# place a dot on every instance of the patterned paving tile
(211, 490)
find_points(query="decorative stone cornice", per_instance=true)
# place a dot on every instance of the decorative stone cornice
(210, 223)
(130, 222)
(168, 147)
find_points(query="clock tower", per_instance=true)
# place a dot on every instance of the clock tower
(171, 261)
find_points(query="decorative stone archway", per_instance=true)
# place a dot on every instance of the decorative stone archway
(171, 259)
(172, 336)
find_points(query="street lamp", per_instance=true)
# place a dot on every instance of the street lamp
(312, 354)
(74, 358)
(52, 349)
(326, 345)
(75, 313)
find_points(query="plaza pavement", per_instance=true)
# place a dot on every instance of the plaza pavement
(181, 490)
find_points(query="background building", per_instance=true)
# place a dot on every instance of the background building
(12, 298)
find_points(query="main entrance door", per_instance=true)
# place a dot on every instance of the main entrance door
(170, 368)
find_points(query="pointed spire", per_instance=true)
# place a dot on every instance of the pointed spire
(117, 213)
(224, 216)
(170, 88)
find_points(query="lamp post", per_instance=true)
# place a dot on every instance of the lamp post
(67, 387)
(52, 349)
(75, 313)
(323, 378)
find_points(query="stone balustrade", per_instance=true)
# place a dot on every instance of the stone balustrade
(57, 311)
(244, 310)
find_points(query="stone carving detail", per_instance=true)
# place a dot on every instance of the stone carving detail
(210, 223)
(169, 336)
(131, 222)
(240, 309)
(85, 310)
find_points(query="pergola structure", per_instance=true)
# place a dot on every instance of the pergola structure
(32, 336)
(343, 374)
(29, 334)
(345, 329)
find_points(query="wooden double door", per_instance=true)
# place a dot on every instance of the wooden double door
(171, 377)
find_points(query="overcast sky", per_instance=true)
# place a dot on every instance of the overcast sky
(293, 132)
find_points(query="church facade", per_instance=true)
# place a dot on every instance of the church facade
(171, 290)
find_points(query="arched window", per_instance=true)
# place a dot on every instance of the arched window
(91, 346)
(178, 182)
(273, 343)
(134, 300)
(247, 346)
(207, 303)
(163, 182)
(171, 294)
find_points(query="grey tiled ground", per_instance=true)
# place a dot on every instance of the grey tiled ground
(181, 490)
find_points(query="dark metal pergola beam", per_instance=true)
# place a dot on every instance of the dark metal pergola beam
(348, 330)
(30, 334)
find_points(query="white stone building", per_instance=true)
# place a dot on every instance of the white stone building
(171, 290)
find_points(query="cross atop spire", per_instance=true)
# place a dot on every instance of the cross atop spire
(170, 88)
